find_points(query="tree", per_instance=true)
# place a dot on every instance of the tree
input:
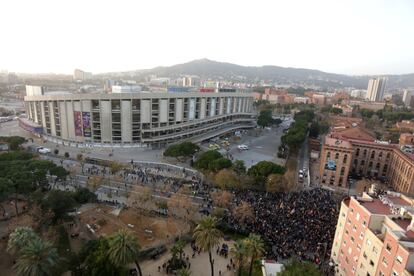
(176, 262)
(56, 151)
(59, 202)
(37, 258)
(66, 155)
(95, 261)
(276, 183)
(255, 249)
(13, 141)
(20, 238)
(95, 181)
(297, 268)
(207, 236)
(81, 159)
(182, 206)
(184, 272)
(222, 198)
(265, 118)
(263, 169)
(239, 167)
(140, 197)
(226, 179)
(183, 149)
(239, 253)
(243, 212)
(59, 172)
(124, 249)
(204, 160)
(115, 166)
(219, 164)
(5, 191)
(83, 195)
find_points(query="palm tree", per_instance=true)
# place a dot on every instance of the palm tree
(239, 254)
(124, 249)
(207, 236)
(255, 249)
(38, 258)
(20, 238)
(184, 272)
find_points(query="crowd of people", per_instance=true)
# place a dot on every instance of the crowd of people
(300, 224)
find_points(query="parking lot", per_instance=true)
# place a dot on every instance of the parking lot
(262, 145)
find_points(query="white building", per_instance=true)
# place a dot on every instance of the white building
(304, 100)
(376, 89)
(359, 93)
(81, 75)
(126, 88)
(407, 97)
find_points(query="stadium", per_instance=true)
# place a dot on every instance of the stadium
(140, 119)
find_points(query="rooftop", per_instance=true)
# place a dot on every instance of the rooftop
(357, 133)
(376, 207)
(329, 141)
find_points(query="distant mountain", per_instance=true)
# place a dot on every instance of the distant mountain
(209, 69)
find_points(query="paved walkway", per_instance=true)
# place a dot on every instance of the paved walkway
(200, 265)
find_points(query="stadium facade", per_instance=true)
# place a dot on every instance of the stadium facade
(137, 119)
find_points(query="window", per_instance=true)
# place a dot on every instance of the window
(368, 242)
(365, 152)
(328, 155)
(364, 255)
(345, 158)
(354, 228)
(372, 154)
(381, 273)
(352, 239)
(336, 155)
(384, 261)
(388, 247)
(361, 236)
(394, 273)
(371, 263)
(358, 216)
(357, 152)
(399, 259)
(349, 250)
(364, 223)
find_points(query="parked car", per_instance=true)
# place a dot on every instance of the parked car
(43, 150)
(242, 147)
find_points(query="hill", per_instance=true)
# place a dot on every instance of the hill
(209, 69)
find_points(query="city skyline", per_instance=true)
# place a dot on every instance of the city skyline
(347, 37)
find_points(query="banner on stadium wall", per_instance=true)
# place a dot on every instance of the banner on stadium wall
(78, 122)
(191, 114)
(86, 122)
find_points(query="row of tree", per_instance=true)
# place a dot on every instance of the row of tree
(298, 130)
(104, 256)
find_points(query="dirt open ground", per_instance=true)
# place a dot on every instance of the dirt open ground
(150, 230)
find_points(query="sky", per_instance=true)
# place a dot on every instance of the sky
(339, 36)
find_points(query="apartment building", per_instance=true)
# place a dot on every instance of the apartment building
(374, 236)
(354, 152)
